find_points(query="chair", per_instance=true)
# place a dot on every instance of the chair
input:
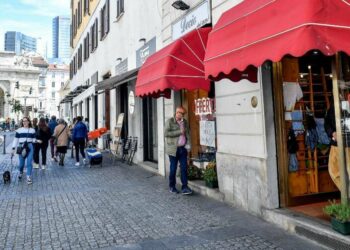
(133, 149)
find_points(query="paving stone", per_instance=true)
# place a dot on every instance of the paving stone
(119, 207)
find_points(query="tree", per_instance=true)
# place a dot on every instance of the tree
(17, 107)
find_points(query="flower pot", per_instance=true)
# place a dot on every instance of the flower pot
(341, 227)
(211, 184)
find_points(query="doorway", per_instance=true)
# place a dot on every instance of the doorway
(150, 128)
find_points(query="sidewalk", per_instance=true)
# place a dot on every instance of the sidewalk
(123, 207)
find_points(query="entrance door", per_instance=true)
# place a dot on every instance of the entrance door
(302, 94)
(123, 104)
(150, 128)
(107, 110)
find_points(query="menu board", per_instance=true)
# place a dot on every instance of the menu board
(207, 133)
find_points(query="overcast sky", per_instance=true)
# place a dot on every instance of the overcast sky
(31, 17)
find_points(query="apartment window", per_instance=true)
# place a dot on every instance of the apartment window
(80, 56)
(80, 18)
(120, 8)
(53, 84)
(86, 47)
(53, 93)
(104, 17)
(94, 35)
(41, 105)
(53, 75)
(86, 7)
(62, 84)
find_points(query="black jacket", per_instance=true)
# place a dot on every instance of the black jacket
(44, 136)
(330, 127)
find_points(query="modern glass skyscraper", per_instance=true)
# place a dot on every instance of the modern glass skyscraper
(18, 42)
(61, 37)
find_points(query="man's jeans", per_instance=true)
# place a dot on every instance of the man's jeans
(29, 159)
(181, 155)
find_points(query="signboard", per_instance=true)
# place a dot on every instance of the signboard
(207, 133)
(145, 51)
(122, 67)
(194, 19)
(120, 120)
(131, 102)
(204, 106)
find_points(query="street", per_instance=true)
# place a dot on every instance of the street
(122, 207)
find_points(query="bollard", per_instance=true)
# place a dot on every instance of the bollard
(4, 147)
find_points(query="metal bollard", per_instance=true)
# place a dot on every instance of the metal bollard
(4, 147)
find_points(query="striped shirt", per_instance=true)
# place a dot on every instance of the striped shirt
(22, 135)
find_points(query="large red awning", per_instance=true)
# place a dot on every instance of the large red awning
(258, 30)
(176, 66)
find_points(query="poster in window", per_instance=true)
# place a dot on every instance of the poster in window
(207, 133)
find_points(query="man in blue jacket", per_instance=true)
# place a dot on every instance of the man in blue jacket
(52, 125)
(79, 137)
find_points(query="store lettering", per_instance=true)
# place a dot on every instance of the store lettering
(187, 24)
(204, 106)
(144, 53)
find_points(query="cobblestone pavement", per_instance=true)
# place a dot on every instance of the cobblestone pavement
(122, 207)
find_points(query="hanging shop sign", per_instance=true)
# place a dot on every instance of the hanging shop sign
(145, 51)
(131, 102)
(122, 67)
(204, 106)
(207, 133)
(194, 19)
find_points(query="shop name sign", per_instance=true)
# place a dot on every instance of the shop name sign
(194, 19)
(204, 106)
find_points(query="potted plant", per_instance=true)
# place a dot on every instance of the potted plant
(210, 176)
(193, 172)
(340, 217)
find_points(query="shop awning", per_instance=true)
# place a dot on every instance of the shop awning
(258, 30)
(177, 66)
(114, 81)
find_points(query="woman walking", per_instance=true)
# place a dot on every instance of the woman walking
(24, 138)
(43, 136)
(35, 144)
(61, 135)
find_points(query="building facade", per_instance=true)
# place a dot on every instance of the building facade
(61, 38)
(19, 42)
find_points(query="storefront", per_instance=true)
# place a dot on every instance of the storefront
(291, 149)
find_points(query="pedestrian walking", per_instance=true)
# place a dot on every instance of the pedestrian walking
(52, 125)
(79, 137)
(61, 135)
(70, 127)
(43, 136)
(35, 144)
(23, 146)
(177, 143)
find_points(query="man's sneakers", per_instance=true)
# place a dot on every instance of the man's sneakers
(35, 165)
(77, 164)
(29, 180)
(20, 176)
(186, 191)
(173, 190)
(43, 167)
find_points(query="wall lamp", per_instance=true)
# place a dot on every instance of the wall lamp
(180, 5)
(142, 40)
(119, 59)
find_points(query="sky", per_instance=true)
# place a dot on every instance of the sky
(31, 17)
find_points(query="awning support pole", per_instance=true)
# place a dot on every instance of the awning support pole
(344, 183)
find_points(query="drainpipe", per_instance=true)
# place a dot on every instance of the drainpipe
(344, 184)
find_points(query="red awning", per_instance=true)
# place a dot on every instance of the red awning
(176, 66)
(259, 30)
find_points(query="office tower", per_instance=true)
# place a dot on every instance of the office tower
(61, 37)
(19, 43)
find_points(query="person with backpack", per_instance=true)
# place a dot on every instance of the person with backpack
(79, 137)
(52, 125)
(43, 136)
(23, 146)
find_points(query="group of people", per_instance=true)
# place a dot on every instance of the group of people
(33, 137)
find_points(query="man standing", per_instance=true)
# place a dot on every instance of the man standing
(52, 125)
(177, 143)
(79, 137)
